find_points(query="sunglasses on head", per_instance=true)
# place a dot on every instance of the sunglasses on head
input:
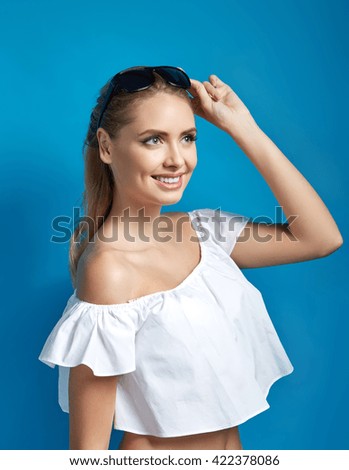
(142, 77)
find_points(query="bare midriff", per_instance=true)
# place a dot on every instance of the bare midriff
(223, 439)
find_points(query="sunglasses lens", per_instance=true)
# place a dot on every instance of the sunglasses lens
(175, 76)
(135, 80)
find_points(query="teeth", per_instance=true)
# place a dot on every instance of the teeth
(167, 180)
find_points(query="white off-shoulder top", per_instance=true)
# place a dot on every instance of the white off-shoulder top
(193, 359)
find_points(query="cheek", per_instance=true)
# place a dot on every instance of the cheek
(194, 159)
(136, 173)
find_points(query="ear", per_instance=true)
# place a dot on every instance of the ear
(104, 145)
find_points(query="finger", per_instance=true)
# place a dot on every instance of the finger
(192, 89)
(214, 92)
(216, 81)
(199, 91)
(221, 87)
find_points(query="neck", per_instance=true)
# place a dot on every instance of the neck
(137, 224)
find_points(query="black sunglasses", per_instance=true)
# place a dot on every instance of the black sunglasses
(142, 77)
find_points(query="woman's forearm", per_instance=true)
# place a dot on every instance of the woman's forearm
(311, 221)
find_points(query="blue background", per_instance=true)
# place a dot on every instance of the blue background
(288, 62)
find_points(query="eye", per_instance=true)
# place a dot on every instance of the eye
(190, 137)
(153, 137)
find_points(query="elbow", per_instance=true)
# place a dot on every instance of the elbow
(332, 247)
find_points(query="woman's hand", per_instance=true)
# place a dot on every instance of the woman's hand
(216, 102)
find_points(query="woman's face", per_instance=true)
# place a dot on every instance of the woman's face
(158, 142)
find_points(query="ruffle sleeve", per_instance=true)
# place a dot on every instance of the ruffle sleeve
(224, 227)
(99, 336)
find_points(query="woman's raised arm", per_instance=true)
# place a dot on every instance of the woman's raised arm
(311, 231)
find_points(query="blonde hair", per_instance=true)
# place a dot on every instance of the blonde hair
(97, 197)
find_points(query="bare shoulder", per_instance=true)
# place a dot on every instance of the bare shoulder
(104, 277)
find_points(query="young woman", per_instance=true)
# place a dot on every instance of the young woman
(164, 337)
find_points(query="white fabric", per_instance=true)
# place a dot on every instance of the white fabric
(197, 358)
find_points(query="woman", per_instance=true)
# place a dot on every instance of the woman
(165, 338)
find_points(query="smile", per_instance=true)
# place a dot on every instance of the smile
(171, 183)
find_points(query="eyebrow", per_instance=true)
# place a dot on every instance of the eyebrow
(158, 131)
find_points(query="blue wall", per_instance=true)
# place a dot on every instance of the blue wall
(288, 62)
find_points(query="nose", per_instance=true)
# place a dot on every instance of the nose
(174, 156)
